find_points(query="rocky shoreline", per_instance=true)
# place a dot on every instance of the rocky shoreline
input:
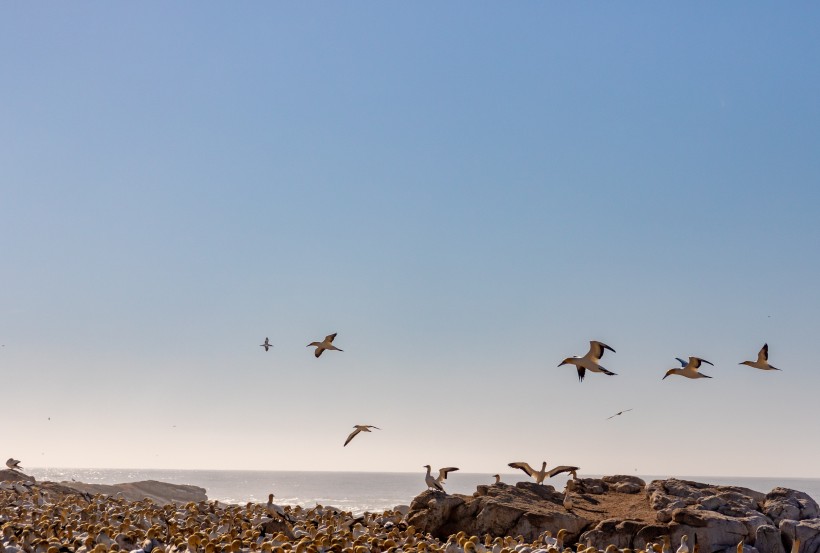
(626, 512)
(615, 511)
(161, 493)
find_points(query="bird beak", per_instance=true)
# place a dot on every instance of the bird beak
(664, 376)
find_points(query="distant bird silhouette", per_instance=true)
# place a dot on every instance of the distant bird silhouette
(590, 361)
(267, 345)
(359, 428)
(691, 369)
(327, 343)
(762, 360)
(618, 413)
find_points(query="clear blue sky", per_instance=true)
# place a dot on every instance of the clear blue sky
(466, 192)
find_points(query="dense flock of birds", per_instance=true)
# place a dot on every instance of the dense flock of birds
(38, 520)
(31, 521)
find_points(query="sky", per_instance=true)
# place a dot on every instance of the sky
(466, 192)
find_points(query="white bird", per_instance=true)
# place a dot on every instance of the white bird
(762, 360)
(442, 473)
(432, 482)
(497, 478)
(567, 501)
(327, 343)
(590, 361)
(13, 464)
(435, 483)
(619, 413)
(684, 548)
(275, 510)
(691, 369)
(359, 428)
(540, 475)
(267, 345)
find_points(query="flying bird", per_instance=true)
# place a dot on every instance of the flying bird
(13, 464)
(618, 413)
(360, 428)
(691, 369)
(542, 474)
(327, 343)
(267, 345)
(590, 361)
(762, 360)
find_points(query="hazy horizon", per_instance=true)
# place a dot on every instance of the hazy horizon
(466, 193)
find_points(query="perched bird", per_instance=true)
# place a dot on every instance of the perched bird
(540, 475)
(684, 548)
(619, 413)
(432, 482)
(267, 345)
(590, 361)
(762, 360)
(13, 464)
(327, 343)
(497, 478)
(442, 473)
(359, 428)
(567, 500)
(691, 369)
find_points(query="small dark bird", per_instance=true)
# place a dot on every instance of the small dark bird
(618, 413)
(267, 345)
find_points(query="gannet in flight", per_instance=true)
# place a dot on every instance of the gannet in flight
(762, 360)
(327, 343)
(590, 361)
(360, 428)
(681, 361)
(691, 369)
(267, 345)
(540, 475)
(619, 413)
(13, 464)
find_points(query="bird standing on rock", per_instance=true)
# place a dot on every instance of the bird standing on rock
(13, 464)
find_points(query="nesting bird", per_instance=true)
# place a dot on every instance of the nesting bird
(691, 369)
(327, 343)
(762, 362)
(359, 428)
(541, 475)
(590, 361)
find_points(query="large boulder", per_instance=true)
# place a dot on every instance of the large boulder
(161, 493)
(807, 531)
(783, 503)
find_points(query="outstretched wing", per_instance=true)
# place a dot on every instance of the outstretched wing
(352, 434)
(597, 349)
(371, 426)
(581, 372)
(330, 337)
(442, 473)
(559, 470)
(523, 466)
(681, 361)
(318, 351)
(695, 362)
(764, 354)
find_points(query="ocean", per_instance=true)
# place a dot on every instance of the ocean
(351, 491)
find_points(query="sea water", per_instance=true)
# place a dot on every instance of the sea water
(351, 491)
